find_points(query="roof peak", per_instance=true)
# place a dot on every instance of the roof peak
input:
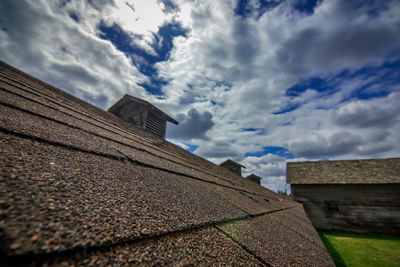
(128, 99)
(233, 162)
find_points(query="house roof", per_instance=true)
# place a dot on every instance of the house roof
(131, 100)
(365, 171)
(229, 161)
(81, 186)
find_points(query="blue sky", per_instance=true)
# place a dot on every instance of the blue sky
(261, 82)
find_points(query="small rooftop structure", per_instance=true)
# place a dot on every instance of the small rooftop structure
(254, 178)
(232, 166)
(142, 114)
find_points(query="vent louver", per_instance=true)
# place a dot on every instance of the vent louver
(155, 125)
(142, 114)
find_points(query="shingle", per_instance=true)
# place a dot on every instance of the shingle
(251, 203)
(59, 198)
(28, 124)
(275, 243)
(199, 247)
(298, 224)
(365, 171)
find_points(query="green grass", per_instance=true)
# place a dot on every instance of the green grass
(350, 249)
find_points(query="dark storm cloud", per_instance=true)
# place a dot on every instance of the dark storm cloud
(246, 42)
(194, 125)
(338, 144)
(343, 45)
(365, 115)
(375, 149)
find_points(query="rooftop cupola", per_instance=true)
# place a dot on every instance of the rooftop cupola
(142, 114)
(233, 166)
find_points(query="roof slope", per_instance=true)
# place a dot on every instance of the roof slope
(80, 186)
(365, 171)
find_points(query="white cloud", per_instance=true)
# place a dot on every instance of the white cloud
(270, 167)
(262, 58)
(44, 41)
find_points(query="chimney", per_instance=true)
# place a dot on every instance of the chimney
(142, 114)
(233, 166)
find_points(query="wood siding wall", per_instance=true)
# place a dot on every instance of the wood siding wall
(352, 207)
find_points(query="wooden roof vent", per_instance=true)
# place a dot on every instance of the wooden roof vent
(233, 166)
(142, 114)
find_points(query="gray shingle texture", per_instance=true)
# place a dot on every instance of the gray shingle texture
(364, 171)
(273, 242)
(79, 186)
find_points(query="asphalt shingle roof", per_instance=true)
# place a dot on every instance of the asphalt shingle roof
(80, 186)
(361, 171)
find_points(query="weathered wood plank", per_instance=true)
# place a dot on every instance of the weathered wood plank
(359, 208)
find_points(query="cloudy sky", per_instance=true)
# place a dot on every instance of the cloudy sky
(261, 82)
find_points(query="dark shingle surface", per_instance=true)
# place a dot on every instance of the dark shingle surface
(204, 247)
(297, 224)
(363, 171)
(251, 203)
(80, 186)
(273, 242)
(66, 189)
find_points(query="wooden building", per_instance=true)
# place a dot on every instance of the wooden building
(142, 114)
(349, 195)
(254, 178)
(232, 166)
